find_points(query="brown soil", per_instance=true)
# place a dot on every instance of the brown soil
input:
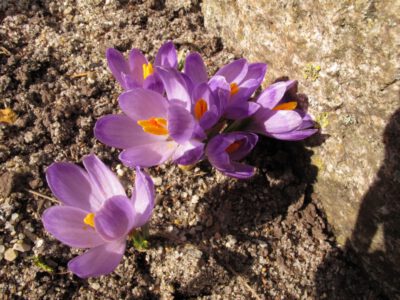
(211, 237)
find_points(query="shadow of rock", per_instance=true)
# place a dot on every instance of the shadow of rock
(375, 241)
(245, 224)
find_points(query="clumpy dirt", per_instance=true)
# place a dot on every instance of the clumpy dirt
(212, 237)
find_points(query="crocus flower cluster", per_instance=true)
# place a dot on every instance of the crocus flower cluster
(167, 115)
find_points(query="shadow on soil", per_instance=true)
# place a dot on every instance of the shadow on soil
(241, 209)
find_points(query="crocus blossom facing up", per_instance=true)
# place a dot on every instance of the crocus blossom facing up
(235, 83)
(95, 213)
(225, 150)
(279, 115)
(137, 71)
(151, 131)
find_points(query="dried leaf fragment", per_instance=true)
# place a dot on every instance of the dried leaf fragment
(7, 116)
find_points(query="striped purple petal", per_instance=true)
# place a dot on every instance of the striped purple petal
(66, 224)
(195, 68)
(166, 56)
(98, 261)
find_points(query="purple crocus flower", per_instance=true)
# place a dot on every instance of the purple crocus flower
(235, 83)
(197, 97)
(138, 71)
(95, 213)
(232, 85)
(151, 129)
(279, 116)
(225, 150)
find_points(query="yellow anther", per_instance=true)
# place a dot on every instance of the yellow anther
(234, 146)
(234, 88)
(286, 106)
(157, 126)
(147, 70)
(89, 219)
(200, 108)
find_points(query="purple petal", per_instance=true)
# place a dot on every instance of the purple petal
(175, 85)
(136, 62)
(267, 121)
(198, 133)
(248, 142)
(307, 123)
(188, 82)
(224, 161)
(216, 154)
(122, 132)
(221, 89)
(295, 135)
(154, 83)
(203, 91)
(66, 224)
(98, 261)
(115, 219)
(241, 110)
(282, 121)
(211, 116)
(241, 171)
(72, 186)
(195, 68)
(142, 104)
(256, 71)
(270, 97)
(166, 56)
(143, 198)
(189, 153)
(148, 155)
(251, 82)
(102, 178)
(129, 82)
(235, 71)
(118, 65)
(180, 123)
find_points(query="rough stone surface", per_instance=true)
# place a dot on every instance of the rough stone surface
(346, 57)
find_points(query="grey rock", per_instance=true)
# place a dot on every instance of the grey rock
(345, 56)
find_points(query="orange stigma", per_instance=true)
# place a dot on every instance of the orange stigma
(200, 108)
(286, 106)
(234, 88)
(147, 70)
(234, 146)
(156, 126)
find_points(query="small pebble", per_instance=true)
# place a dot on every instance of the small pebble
(14, 217)
(21, 247)
(157, 181)
(195, 199)
(120, 172)
(95, 285)
(39, 243)
(10, 255)
(2, 248)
